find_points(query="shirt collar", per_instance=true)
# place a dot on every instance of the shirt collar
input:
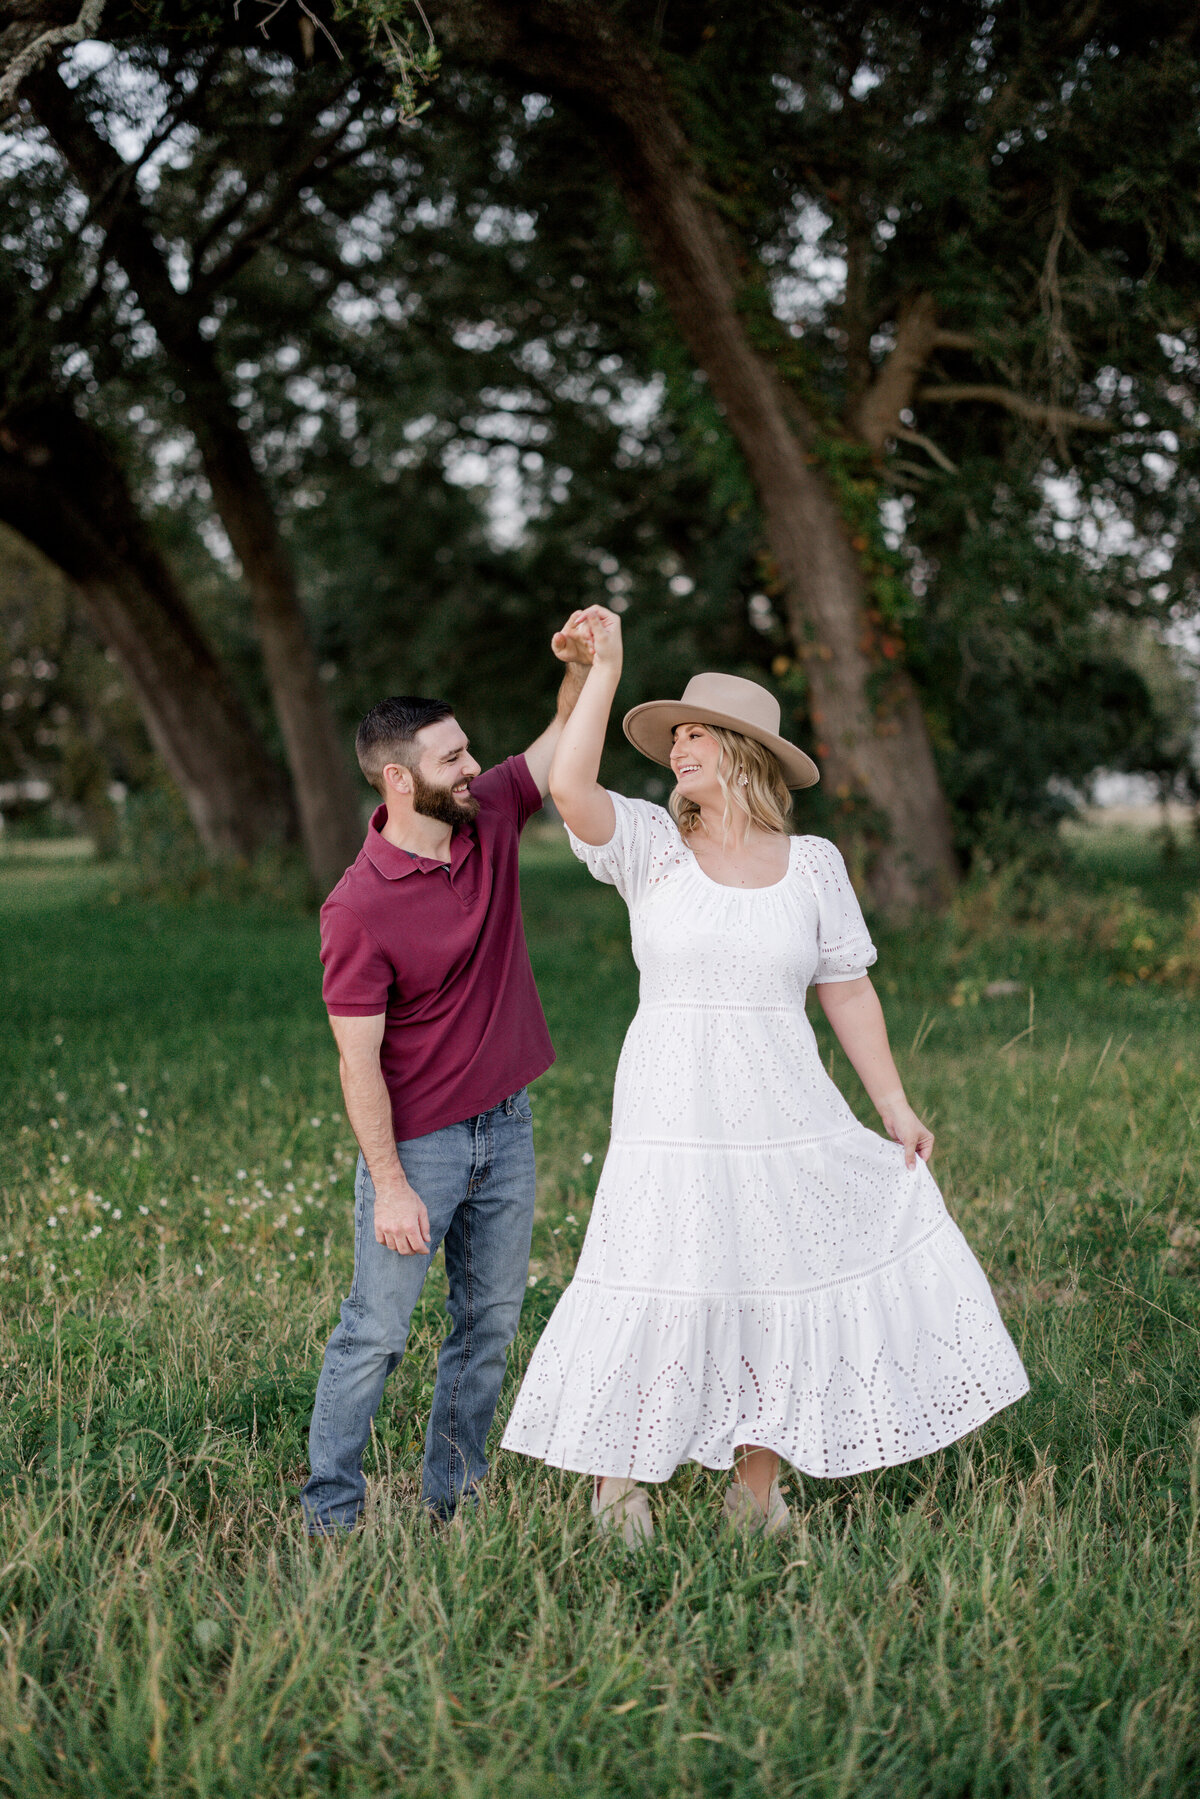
(394, 864)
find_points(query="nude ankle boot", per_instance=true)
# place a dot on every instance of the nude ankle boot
(624, 1511)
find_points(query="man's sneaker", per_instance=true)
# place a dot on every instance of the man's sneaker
(743, 1512)
(624, 1511)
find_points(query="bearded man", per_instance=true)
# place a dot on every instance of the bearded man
(439, 1029)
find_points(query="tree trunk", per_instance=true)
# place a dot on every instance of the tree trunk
(327, 795)
(872, 750)
(62, 490)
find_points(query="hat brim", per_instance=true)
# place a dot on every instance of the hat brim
(649, 727)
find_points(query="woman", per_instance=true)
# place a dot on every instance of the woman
(762, 1276)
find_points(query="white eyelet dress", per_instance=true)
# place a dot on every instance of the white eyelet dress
(759, 1267)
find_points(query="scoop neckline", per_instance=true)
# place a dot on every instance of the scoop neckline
(727, 886)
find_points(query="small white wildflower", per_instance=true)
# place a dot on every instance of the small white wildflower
(64, 1160)
(61, 1098)
(258, 1276)
(142, 1112)
(291, 1255)
(116, 1211)
(52, 1221)
(162, 1202)
(199, 1268)
(290, 1187)
(557, 1232)
(58, 1041)
(587, 1157)
(315, 1123)
(52, 1266)
(299, 1230)
(226, 1229)
(532, 1281)
(120, 1087)
(571, 1218)
(54, 1124)
(145, 1211)
(240, 1175)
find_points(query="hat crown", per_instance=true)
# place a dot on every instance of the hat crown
(733, 695)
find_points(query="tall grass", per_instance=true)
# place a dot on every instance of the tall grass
(1017, 1615)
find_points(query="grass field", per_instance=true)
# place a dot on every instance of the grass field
(1019, 1615)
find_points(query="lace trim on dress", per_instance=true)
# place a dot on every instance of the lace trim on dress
(734, 1146)
(737, 1294)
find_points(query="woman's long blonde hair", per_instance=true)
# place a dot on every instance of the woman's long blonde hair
(751, 779)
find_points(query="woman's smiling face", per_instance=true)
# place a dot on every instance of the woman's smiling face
(695, 756)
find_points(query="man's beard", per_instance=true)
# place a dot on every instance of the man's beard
(438, 802)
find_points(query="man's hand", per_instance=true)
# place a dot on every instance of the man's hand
(573, 644)
(401, 1221)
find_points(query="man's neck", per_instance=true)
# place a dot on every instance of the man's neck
(419, 835)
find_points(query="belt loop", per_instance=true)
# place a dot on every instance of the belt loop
(508, 1105)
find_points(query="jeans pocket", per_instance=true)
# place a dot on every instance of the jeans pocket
(522, 1106)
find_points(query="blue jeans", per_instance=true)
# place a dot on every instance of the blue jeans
(476, 1179)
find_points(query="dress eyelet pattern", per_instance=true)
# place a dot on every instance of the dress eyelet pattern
(758, 1267)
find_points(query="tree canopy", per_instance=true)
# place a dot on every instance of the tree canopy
(476, 391)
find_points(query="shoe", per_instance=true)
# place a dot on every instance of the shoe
(625, 1510)
(743, 1512)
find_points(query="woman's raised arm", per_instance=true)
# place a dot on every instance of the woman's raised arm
(575, 772)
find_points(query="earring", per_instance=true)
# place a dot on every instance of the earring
(743, 780)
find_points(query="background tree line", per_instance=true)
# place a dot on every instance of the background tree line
(851, 347)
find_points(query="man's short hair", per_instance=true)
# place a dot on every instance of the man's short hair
(386, 734)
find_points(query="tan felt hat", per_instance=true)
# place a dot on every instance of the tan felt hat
(720, 700)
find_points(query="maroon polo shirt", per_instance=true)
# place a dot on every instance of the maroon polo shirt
(441, 952)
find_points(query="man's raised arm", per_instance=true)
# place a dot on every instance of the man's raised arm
(401, 1221)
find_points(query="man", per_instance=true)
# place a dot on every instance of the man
(439, 1029)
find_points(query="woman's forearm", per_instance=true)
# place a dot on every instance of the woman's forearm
(854, 1011)
(575, 772)
(580, 745)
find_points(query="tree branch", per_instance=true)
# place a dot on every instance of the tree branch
(927, 444)
(34, 54)
(878, 412)
(1037, 412)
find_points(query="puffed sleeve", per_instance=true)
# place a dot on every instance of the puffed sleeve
(844, 946)
(644, 844)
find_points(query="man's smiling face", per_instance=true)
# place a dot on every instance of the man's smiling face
(443, 772)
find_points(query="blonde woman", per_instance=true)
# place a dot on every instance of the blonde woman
(763, 1277)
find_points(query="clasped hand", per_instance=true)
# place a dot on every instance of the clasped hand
(592, 635)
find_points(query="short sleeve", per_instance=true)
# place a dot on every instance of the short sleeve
(358, 976)
(644, 845)
(509, 788)
(845, 950)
